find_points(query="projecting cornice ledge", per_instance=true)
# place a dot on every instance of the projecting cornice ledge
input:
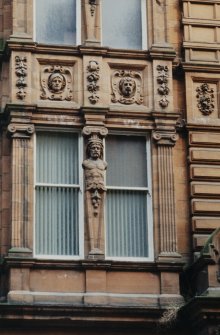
(162, 51)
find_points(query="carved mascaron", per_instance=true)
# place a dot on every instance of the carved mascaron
(56, 82)
(126, 87)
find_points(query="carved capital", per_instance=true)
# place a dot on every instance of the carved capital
(19, 130)
(165, 138)
(90, 131)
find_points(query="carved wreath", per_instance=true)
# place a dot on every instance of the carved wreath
(127, 87)
(56, 83)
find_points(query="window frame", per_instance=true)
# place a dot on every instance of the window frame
(143, 27)
(80, 196)
(78, 26)
(149, 214)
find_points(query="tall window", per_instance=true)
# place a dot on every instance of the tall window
(57, 195)
(57, 21)
(124, 24)
(128, 205)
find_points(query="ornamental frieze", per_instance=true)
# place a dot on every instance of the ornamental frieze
(56, 83)
(127, 87)
(205, 99)
(21, 73)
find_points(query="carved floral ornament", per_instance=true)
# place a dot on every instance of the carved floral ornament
(92, 6)
(21, 73)
(93, 78)
(205, 99)
(163, 89)
(127, 87)
(56, 83)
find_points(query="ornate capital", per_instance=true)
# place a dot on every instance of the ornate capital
(90, 131)
(19, 130)
(165, 138)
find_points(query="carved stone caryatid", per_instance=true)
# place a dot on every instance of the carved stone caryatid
(167, 222)
(93, 78)
(163, 89)
(94, 167)
(56, 82)
(126, 87)
(22, 187)
(21, 73)
(205, 98)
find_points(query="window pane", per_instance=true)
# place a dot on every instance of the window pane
(57, 221)
(121, 24)
(56, 21)
(57, 206)
(126, 224)
(57, 158)
(126, 157)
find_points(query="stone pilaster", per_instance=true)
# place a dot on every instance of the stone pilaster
(22, 188)
(165, 136)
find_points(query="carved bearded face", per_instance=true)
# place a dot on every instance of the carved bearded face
(95, 150)
(56, 82)
(127, 87)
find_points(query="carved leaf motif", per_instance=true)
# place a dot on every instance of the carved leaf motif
(163, 89)
(205, 97)
(93, 78)
(21, 73)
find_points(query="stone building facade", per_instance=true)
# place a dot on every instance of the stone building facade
(110, 167)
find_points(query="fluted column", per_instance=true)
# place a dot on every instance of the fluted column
(22, 188)
(167, 220)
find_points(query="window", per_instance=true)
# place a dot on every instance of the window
(128, 204)
(58, 195)
(57, 21)
(123, 24)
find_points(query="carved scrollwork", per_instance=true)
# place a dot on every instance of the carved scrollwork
(21, 73)
(126, 87)
(56, 82)
(93, 78)
(163, 89)
(92, 6)
(165, 138)
(205, 98)
(20, 130)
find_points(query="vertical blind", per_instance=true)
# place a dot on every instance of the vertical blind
(57, 194)
(127, 196)
(55, 21)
